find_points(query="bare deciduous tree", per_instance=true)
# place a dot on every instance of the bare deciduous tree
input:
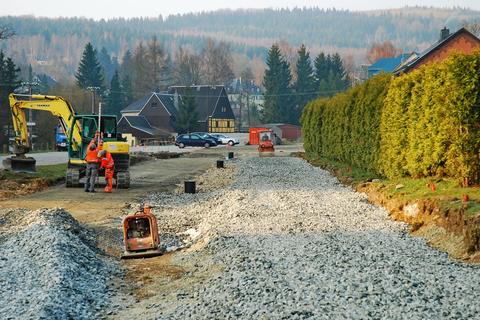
(381, 50)
(217, 62)
(187, 68)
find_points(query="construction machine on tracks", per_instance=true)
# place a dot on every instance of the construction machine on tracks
(79, 129)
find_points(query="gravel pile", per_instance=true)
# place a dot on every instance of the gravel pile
(293, 243)
(50, 268)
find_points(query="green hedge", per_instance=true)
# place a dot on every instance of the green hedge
(436, 112)
(425, 123)
(346, 127)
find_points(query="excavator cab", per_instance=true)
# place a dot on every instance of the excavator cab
(111, 142)
(140, 235)
(265, 143)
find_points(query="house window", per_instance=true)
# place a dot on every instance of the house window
(228, 124)
(216, 124)
(224, 109)
(154, 105)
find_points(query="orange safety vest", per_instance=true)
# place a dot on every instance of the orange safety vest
(92, 155)
(107, 161)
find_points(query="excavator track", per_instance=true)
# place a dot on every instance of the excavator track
(123, 180)
(72, 178)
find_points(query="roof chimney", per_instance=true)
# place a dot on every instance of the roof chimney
(444, 33)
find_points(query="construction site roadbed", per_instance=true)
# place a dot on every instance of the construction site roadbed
(263, 238)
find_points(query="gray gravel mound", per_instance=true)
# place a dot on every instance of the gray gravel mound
(288, 241)
(50, 268)
(370, 275)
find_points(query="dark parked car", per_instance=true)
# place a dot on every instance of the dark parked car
(194, 140)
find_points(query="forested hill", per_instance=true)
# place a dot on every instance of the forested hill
(250, 32)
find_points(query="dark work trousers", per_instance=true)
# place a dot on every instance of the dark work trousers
(91, 176)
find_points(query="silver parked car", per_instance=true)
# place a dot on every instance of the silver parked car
(231, 141)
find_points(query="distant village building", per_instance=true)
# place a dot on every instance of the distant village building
(388, 64)
(462, 41)
(239, 92)
(213, 107)
(149, 118)
(285, 131)
(154, 117)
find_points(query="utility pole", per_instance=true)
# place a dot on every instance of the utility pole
(30, 122)
(30, 84)
(240, 112)
(248, 109)
(93, 90)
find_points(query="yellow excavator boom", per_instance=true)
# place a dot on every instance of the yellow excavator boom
(57, 106)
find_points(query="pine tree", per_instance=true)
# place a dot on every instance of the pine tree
(126, 66)
(8, 83)
(89, 73)
(127, 90)
(339, 74)
(187, 114)
(305, 83)
(321, 68)
(115, 100)
(277, 107)
(107, 63)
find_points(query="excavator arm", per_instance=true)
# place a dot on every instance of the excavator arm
(57, 106)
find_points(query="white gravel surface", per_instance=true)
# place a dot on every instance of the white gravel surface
(50, 267)
(293, 243)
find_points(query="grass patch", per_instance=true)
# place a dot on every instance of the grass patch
(344, 172)
(449, 192)
(53, 172)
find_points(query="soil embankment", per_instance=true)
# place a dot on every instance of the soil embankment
(448, 228)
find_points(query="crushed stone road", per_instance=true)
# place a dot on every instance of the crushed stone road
(265, 238)
(292, 243)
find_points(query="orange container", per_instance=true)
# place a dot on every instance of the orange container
(253, 138)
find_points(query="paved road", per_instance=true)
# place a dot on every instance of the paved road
(45, 158)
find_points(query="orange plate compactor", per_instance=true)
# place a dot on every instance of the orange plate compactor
(140, 235)
(265, 144)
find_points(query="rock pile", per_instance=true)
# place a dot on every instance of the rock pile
(50, 267)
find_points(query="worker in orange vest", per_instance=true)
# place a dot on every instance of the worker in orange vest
(106, 162)
(93, 163)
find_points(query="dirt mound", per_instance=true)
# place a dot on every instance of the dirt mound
(51, 268)
(12, 188)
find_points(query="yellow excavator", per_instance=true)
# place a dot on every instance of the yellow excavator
(80, 130)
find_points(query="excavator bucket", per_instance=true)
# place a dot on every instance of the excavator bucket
(20, 164)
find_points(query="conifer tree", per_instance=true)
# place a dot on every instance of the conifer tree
(8, 83)
(115, 100)
(339, 82)
(187, 113)
(127, 90)
(277, 107)
(89, 73)
(108, 63)
(305, 82)
(321, 68)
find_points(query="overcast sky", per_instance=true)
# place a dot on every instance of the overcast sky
(152, 8)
